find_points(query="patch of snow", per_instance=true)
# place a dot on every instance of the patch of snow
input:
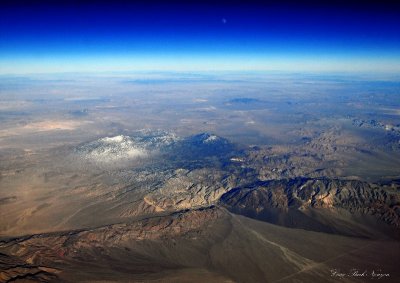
(112, 149)
(211, 138)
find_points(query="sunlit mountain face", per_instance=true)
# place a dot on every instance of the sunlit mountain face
(199, 141)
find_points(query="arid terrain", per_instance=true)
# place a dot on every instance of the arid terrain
(180, 177)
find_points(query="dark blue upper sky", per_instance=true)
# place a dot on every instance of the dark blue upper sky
(91, 35)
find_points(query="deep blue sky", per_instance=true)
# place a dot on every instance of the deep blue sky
(40, 36)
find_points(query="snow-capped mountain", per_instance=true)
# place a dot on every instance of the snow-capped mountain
(121, 147)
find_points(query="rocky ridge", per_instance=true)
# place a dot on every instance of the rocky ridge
(304, 194)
